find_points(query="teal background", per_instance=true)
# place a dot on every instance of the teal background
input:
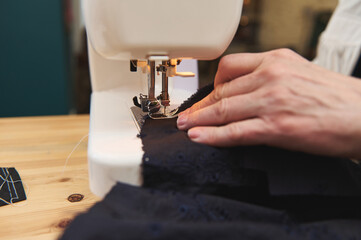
(34, 59)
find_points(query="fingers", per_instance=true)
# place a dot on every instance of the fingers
(239, 86)
(236, 65)
(248, 132)
(224, 111)
(232, 78)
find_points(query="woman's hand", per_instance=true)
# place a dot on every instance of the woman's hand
(278, 99)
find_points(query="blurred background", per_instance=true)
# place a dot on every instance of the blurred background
(43, 53)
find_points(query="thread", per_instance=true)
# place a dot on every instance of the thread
(19, 204)
(71, 153)
(27, 189)
(5, 180)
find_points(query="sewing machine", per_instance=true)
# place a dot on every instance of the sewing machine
(141, 48)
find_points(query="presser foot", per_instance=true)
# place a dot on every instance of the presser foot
(164, 113)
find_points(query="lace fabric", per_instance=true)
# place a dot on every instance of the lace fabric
(130, 212)
(261, 175)
(195, 191)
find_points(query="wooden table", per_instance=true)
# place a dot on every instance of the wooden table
(38, 147)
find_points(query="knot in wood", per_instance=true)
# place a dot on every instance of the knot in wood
(76, 197)
(64, 223)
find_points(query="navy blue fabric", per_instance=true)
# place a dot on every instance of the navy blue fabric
(357, 70)
(195, 191)
(267, 176)
(139, 213)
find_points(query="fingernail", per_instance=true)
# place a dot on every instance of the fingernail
(182, 120)
(194, 134)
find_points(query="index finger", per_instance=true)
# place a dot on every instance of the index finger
(236, 65)
(238, 86)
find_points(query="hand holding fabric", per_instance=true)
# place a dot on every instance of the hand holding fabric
(279, 99)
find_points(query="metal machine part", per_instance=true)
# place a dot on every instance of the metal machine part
(158, 107)
(151, 80)
(139, 116)
(164, 95)
(165, 114)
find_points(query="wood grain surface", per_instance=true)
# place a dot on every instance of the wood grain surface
(38, 147)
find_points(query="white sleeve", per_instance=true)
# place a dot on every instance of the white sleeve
(340, 44)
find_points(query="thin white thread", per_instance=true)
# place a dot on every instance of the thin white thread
(16, 193)
(5, 180)
(7, 174)
(27, 192)
(8, 203)
(76, 146)
(13, 183)
(18, 204)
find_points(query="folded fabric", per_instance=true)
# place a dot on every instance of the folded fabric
(129, 212)
(195, 191)
(11, 187)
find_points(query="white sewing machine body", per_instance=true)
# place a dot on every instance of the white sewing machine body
(121, 30)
